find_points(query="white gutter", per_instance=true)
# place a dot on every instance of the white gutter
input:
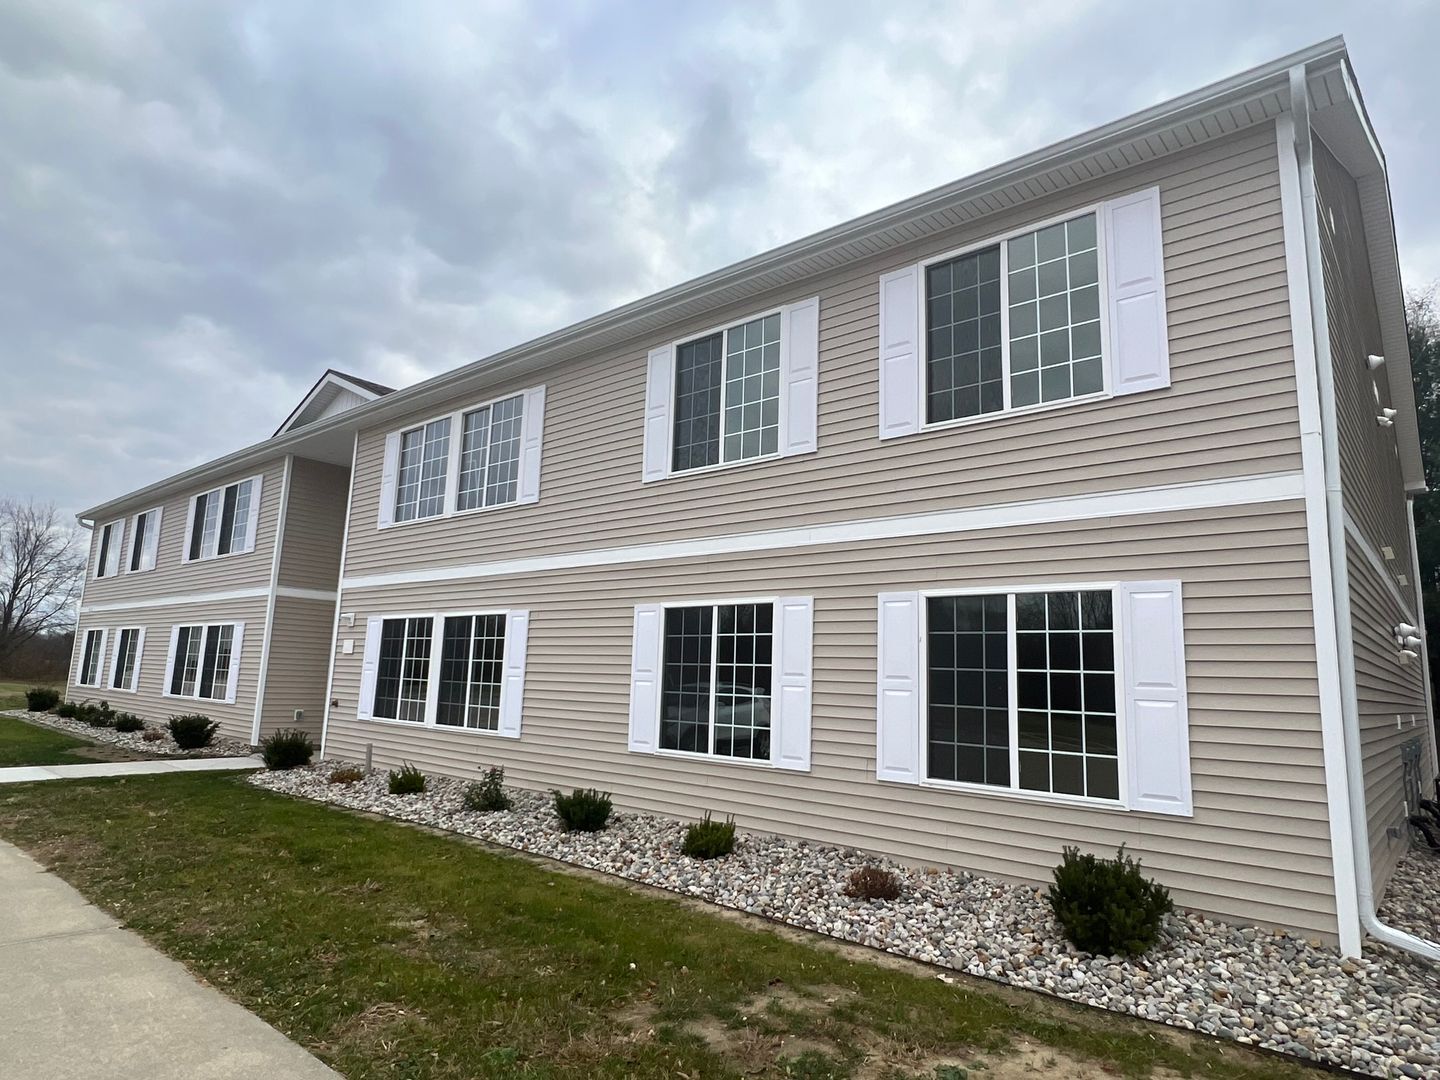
(1335, 526)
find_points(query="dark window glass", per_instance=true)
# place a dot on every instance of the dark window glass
(101, 568)
(742, 680)
(964, 372)
(471, 662)
(686, 681)
(137, 542)
(227, 519)
(698, 369)
(402, 676)
(968, 735)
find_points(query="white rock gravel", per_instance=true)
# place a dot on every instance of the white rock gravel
(219, 746)
(1379, 1015)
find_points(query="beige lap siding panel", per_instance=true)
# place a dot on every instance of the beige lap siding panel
(314, 525)
(299, 665)
(1230, 410)
(1373, 491)
(149, 700)
(1255, 849)
(173, 576)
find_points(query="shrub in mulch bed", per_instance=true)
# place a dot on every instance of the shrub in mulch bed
(1107, 906)
(287, 749)
(68, 710)
(96, 716)
(487, 795)
(41, 699)
(128, 721)
(706, 839)
(406, 780)
(346, 774)
(583, 810)
(192, 731)
(873, 883)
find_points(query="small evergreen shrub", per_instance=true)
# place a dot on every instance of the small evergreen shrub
(583, 810)
(192, 731)
(872, 883)
(1107, 906)
(487, 795)
(151, 735)
(107, 714)
(94, 715)
(67, 709)
(286, 749)
(406, 780)
(41, 699)
(706, 839)
(347, 774)
(128, 721)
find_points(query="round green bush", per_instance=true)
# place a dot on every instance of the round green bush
(1107, 906)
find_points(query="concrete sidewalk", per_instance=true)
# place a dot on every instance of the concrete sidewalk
(83, 999)
(28, 774)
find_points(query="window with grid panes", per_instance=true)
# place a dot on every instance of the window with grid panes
(402, 678)
(420, 478)
(122, 675)
(202, 661)
(727, 395)
(490, 455)
(472, 661)
(716, 680)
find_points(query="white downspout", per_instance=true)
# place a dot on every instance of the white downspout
(1335, 526)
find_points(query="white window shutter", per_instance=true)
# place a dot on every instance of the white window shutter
(1157, 737)
(139, 656)
(532, 425)
(645, 660)
(793, 660)
(512, 682)
(897, 716)
(149, 554)
(387, 478)
(900, 353)
(252, 525)
(170, 659)
(1135, 273)
(369, 667)
(659, 385)
(800, 377)
(237, 638)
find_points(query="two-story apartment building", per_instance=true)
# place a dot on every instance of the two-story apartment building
(1065, 504)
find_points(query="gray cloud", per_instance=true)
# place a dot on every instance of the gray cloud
(202, 206)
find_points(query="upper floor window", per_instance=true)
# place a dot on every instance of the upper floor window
(472, 459)
(204, 661)
(107, 558)
(740, 393)
(1071, 310)
(224, 521)
(144, 541)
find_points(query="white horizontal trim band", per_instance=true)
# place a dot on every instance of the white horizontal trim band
(1385, 573)
(1272, 487)
(177, 601)
(306, 594)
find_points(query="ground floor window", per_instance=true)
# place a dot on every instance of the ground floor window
(716, 680)
(403, 680)
(472, 659)
(202, 661)
(127, 659)
(90, 658)
(1021, 691)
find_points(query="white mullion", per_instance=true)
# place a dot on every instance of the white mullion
(1012, 678)
(724, 371)
(451, 497)
(714, 670)
(485, 456)
(432, 674)
(1005, 405)
(470, 673)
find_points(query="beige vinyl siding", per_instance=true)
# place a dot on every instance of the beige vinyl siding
(314, 525)
(1373, 490)
(1256, 850)
(1230, 412)
(173, 576)
(299, 664)
(1391, 702)
(149, 700)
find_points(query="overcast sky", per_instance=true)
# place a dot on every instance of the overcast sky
(203, 205)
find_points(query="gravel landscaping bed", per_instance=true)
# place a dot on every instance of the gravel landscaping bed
(1412, 899)
(1379, 1015)
(220, 746)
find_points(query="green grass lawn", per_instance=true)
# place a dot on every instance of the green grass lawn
(396, 952)
(12, 694)
(26, 744)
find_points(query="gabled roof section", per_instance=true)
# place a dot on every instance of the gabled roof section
(335, 392)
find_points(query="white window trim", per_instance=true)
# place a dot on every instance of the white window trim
(116, 550)
(432, 678)
(452, 465)
(1122, 748)
(99, 683)
(134, 686)
(256, 490)
(709, 756)
(922, 346)
(152, 543)
(237, 640)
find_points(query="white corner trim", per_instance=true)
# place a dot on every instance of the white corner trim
(180, 600)
(1209, 494)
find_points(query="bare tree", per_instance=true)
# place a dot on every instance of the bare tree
(42, 563)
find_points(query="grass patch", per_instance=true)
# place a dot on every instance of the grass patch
(391, 951)
(12, 694)
(26, 744)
